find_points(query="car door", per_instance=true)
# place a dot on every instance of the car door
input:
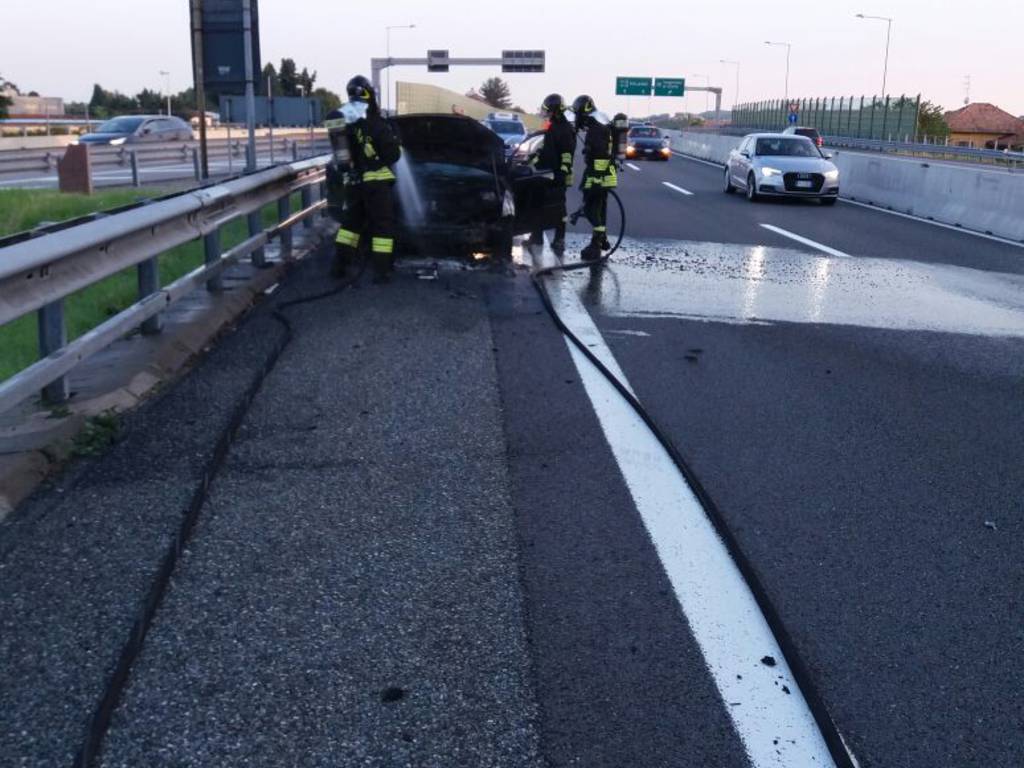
(736, 163)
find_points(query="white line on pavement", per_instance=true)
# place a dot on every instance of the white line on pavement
(775, 725)
(805, 241)
(923, 220)
(634, 167)
(686, 192)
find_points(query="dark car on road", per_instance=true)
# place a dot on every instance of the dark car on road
(138, 129)
(648, 142)
(810, 133)
(457, 194)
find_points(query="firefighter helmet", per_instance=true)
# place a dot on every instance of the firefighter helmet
(553, 105)
(360, 89)
(583, 107)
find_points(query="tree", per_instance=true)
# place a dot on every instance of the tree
(106, 103)
(931, 121)
(151, 102)
(5, 105)
(306, 80)
(495, 92)
(289, 77)
(329, 100)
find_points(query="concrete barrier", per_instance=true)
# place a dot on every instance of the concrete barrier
(977, 199)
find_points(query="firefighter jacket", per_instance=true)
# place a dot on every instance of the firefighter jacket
(598, 153)
(374, 148)
(558, 150)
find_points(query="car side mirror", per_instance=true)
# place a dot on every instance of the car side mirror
(145, 131)
(827, 155)
(745, 154)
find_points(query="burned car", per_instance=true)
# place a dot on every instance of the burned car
(457, 194)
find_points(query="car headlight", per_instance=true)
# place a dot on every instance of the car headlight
(118, 142)
(832, 175)
(769, 172)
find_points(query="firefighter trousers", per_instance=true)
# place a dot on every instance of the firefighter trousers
(369, 212)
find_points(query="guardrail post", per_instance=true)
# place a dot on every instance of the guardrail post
(196, 166)
(211, 255)
(149, 283)
(53, 336)
(307, 201)
(136, 182)
(295, 151)
(259, 256)
(284, 210)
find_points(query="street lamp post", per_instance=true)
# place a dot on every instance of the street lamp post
(789, 50)
(167, 85)
(736, 96)
(387, 93)
(888, 37)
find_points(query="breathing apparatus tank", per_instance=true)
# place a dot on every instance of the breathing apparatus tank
(620, 135)
(340, 153)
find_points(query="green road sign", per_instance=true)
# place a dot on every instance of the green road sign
(669, 86)
(632, 86)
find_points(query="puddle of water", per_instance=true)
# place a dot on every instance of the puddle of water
(756, 284)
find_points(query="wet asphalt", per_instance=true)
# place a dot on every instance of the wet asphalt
(419, 550)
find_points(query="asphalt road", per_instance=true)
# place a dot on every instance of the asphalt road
(438, 538)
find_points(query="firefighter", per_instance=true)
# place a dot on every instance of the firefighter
(557, 155)
(599, 174)
(369, 186)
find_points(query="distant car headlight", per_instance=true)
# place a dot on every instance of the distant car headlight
(118, 142)
(769, 172)
(832, 175)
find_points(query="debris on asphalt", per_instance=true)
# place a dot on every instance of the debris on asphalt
(991, 525)
(768, 661)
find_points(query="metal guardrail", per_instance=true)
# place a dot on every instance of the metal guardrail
(38, 274)
(1012, 160)
(137, 158)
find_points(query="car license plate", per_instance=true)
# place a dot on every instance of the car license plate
(805, 184)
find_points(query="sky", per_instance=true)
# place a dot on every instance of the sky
(62, 47)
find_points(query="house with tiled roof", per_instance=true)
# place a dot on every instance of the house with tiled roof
(985, 126)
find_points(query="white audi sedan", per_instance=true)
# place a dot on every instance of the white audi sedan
(775, 164)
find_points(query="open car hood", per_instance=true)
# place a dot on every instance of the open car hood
(453, 139)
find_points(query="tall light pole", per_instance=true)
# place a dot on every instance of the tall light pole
(888, 37)
(167, 85)
(387, 93)
(789, 50)
(736, 96)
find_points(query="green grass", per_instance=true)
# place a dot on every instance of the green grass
(86, 309)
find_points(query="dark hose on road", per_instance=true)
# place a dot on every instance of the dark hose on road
(801, 672)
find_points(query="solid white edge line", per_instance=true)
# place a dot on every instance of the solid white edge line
(932, 222)
(810, 243)
(670, 185)
(775, 726)
(634, 167)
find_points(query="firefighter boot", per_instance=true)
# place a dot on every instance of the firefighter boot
(593, 250)
(558, 243)
(342, 258)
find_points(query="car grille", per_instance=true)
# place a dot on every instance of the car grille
(817, 181)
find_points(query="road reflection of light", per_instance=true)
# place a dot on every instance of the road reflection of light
(753, 273)
(819, 287)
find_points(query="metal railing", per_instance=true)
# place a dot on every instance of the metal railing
(226, 157)
(37, 274)
(1011, 160)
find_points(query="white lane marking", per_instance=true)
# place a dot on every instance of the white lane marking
(806, 241)
(922, 220)
(682, 191)
(776, 728)
(634, 167)
(719, 166)
(627, 332)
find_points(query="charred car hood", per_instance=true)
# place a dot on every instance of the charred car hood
(450, 139)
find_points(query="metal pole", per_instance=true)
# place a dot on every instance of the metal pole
(284, 210)
(789, 49)
(250, 89)
(231, 151)
(136, 182)
(885, 70)
(270, 118)
(199, 78)
(148, 273)
(211, 255)
(53, 336)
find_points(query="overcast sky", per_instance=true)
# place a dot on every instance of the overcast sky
(61, 47)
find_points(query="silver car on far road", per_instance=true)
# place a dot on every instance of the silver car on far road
(775, 164)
